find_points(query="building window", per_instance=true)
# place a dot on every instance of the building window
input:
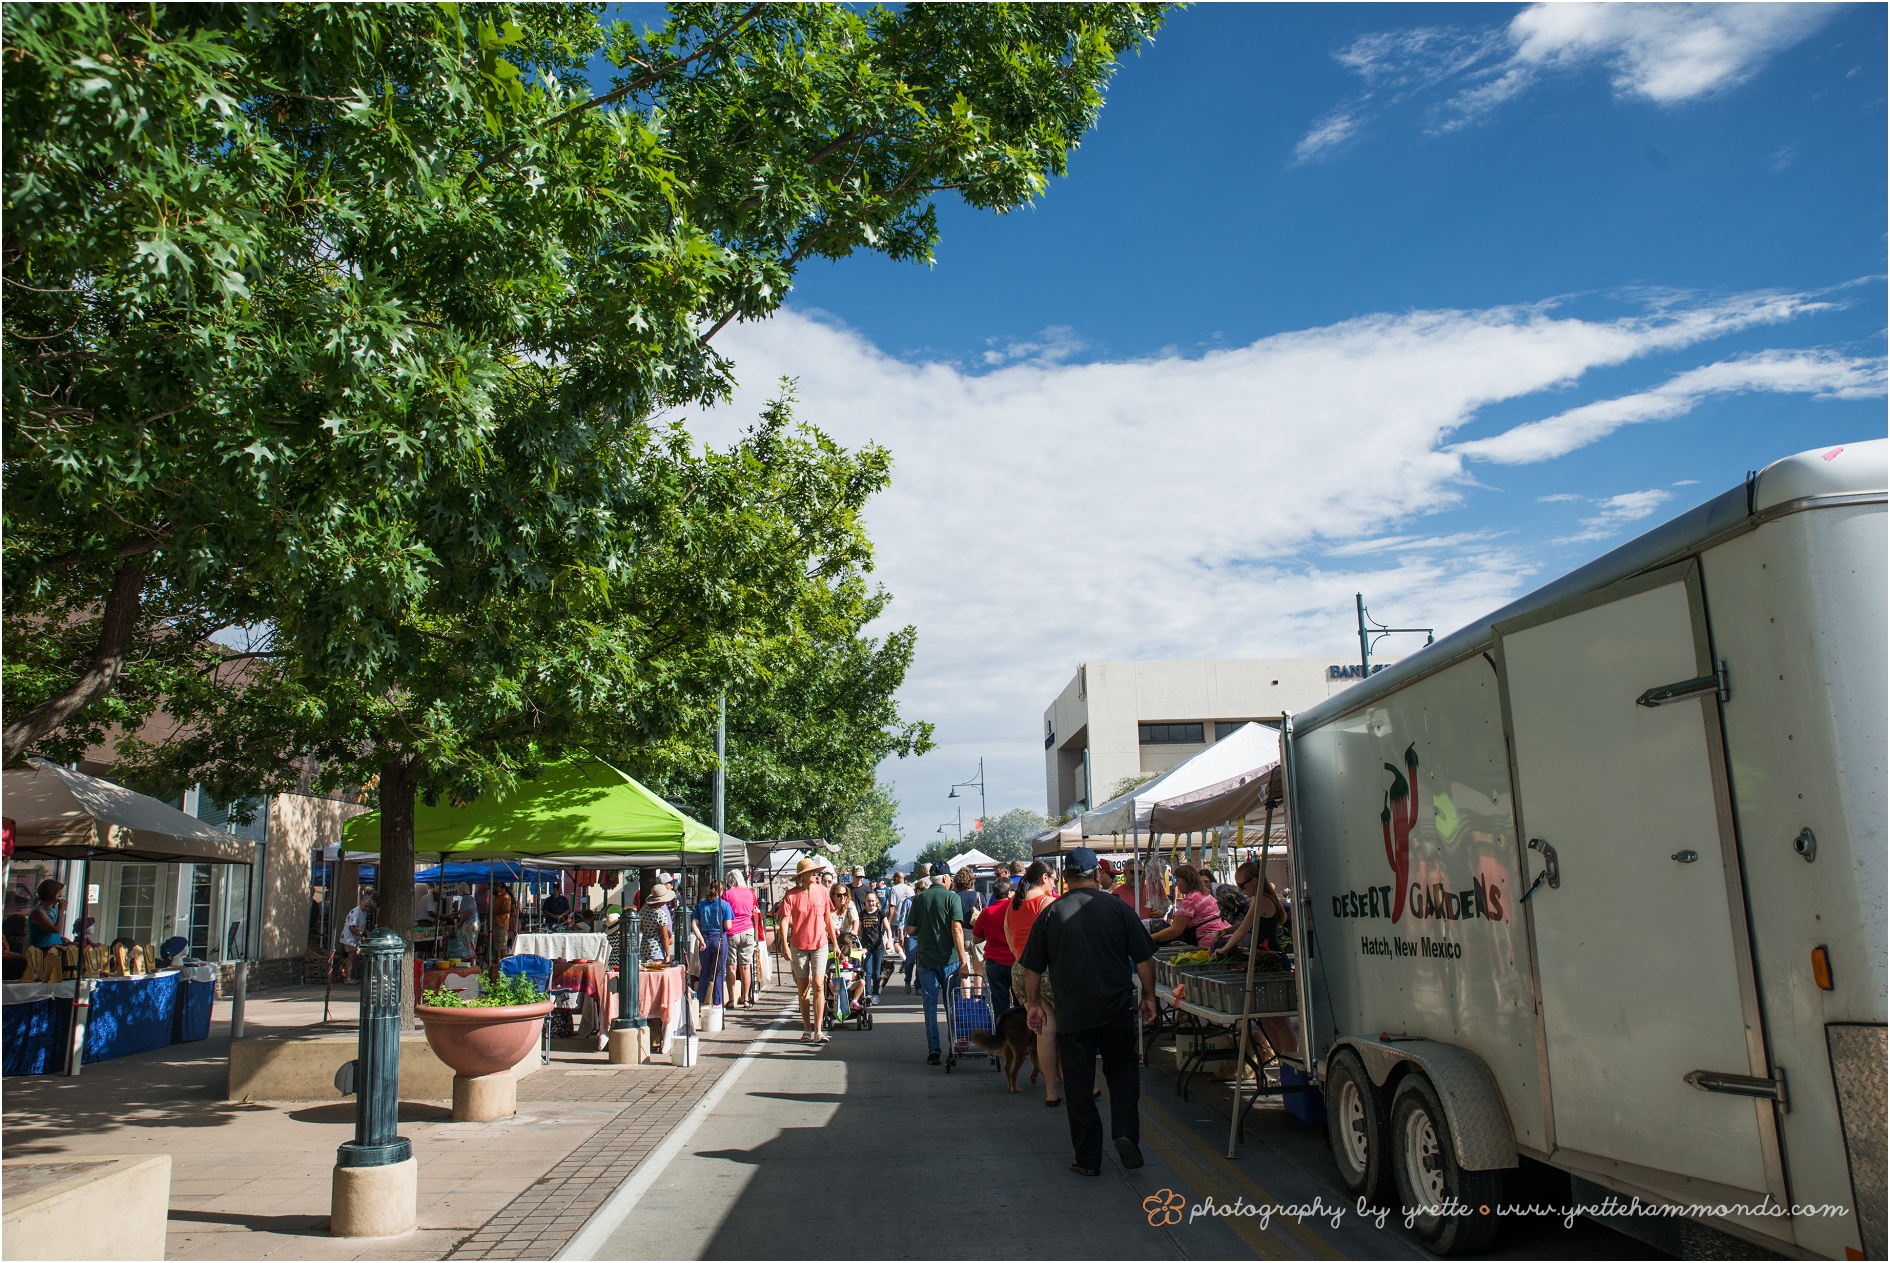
(1172, 734)
(1223, 728)
(137, 902)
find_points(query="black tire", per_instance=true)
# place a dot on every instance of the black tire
(1424, 1164)
(1356, 1129)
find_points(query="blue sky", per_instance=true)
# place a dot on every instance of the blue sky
(1437, 301)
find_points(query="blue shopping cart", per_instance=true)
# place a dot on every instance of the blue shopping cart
(969, 1012)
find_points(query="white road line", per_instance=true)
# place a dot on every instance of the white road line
(610, 1216)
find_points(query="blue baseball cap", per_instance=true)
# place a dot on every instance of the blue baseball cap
(1081, 860)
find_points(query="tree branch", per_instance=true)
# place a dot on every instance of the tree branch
(158, 538)
(635, 85)
(116, 625)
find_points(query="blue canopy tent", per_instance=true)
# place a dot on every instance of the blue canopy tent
(460, 871)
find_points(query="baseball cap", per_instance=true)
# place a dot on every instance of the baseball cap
(1081, 860)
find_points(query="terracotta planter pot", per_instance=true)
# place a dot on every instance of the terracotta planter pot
(475, 1041)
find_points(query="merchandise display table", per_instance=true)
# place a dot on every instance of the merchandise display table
(564, 946)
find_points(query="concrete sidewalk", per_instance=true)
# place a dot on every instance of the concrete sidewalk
(250, 1180)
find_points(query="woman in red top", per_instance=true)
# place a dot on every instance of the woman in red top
(1032, 896)
(988, 931)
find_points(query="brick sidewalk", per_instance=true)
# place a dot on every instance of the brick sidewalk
(251, 1180)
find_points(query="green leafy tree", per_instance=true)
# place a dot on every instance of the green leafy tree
(274, 272)
(348, 322)
(1008, 836)
(940, 852)
(869, 833)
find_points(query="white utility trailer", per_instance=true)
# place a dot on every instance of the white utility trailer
(1599, 881)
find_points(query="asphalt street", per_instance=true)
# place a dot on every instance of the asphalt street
(857, 1149)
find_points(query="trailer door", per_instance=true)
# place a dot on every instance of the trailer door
(1642, 951)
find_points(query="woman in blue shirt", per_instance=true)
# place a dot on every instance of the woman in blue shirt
(43, 924)
(711, 919)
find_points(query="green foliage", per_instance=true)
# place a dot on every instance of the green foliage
(939, 852)
(869, 833)
(1008, 837)
(508, 990)
(1128, 783)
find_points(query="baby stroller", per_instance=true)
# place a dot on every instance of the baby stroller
(842, 973)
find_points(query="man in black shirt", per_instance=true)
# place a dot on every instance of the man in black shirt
(1088, 941)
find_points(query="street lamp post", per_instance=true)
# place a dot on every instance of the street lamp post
(978, 780)
(1370, 636)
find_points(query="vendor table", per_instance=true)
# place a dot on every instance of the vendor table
(660, 994)
(1205, 1022)
(564, 946)
(33, 1026)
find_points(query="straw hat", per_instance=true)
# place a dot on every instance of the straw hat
(812, 864)
(660, 893)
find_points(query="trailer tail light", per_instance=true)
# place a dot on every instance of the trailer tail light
(1821, 966)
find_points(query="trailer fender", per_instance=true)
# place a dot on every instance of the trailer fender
(1479, 1125)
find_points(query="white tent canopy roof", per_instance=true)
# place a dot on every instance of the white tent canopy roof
(1247, 748)
(60, 813)
(973, 857)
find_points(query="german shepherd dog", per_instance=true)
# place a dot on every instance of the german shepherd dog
(1015, 1040)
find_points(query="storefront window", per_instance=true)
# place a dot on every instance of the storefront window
(137, 902)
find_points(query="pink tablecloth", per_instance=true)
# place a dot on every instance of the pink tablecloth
(659, 995)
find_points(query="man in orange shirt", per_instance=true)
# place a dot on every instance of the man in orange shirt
(807, 930)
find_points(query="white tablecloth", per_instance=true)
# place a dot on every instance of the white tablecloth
(564, 946)
(28, 992)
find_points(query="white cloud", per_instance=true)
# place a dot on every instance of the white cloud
(1788, 372)
(1684, 482)
(1220, 504)
(1053, 346)
(1328, 133)
(1666, 54)
(1616, 512)
(1560, 497)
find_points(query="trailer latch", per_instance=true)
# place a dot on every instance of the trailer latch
(1551, 870)
(1696, 687)
(1743, 1085)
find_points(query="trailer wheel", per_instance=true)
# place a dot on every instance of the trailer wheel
(1355, 1127)
(1455, 1209)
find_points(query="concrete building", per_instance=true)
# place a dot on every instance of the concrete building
(1116, 720)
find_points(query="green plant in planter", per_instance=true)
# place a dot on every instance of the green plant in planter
(511, 989)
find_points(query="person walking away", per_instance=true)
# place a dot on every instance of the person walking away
(987, 931)
(937, 922)
(874, 926)
(964, 885)
(1093, 949)
(806, 929)
(1196, 920)
(711, 917)
(1034, 893)
(742, 940)
(659, 928)
(909, 945)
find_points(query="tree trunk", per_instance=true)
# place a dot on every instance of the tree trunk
(118, 621)
(393, 884)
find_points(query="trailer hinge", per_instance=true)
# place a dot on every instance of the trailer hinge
(1718, 682)
(1744, 1085)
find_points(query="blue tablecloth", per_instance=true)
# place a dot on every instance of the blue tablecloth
(33, 1036)
(130, 1015)
(194, 1002)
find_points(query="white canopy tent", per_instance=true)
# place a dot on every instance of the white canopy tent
(974, 857)
(1247, 748)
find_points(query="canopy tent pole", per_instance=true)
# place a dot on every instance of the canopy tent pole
(75, 1037)
(492, 923)
(439, 901)
(1246, 998)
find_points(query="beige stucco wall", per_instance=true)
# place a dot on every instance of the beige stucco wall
(299, 827)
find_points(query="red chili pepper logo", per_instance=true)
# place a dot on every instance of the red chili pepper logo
(1398, 818)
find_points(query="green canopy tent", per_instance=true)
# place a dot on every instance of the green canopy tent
(577, 812)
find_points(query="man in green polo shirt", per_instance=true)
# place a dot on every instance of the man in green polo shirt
(937, 920)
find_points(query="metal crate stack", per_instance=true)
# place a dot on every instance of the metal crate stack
(1221, 990)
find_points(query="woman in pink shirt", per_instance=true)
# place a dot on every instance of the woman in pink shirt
(741, 939)
(1197, 917)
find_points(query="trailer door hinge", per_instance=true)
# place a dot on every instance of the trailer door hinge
(1743, 1085)
(1699, 686)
